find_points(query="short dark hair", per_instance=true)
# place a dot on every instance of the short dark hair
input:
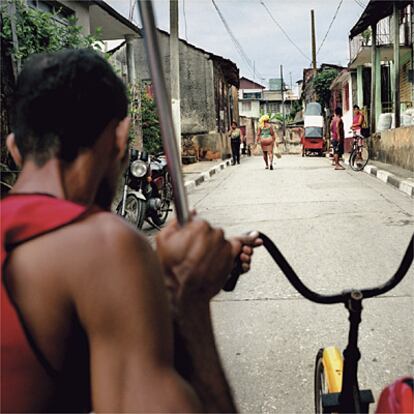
(338, 111)
(233, 123)
(356, 107)
(63, 102)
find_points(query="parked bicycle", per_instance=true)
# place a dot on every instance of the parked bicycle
(359, 156)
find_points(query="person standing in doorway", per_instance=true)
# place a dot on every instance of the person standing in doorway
(266, 138)
(337, 138)
(235, 137)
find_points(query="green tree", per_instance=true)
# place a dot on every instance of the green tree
(321, 84)
(150, 125)
(296, 107)
(36, 31)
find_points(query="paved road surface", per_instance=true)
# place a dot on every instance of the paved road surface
(338, 229)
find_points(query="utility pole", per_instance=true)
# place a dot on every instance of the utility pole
(175, 71)
(283, 106)
(313, 40)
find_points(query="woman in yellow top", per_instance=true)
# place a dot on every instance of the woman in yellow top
(266, 138)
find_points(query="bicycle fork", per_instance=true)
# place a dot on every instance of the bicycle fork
(351, 399)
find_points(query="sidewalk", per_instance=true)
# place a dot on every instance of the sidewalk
(398, 177)
(199, 172)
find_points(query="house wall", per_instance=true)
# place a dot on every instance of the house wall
(406, 87)
(251, 128)
(198, 114)
(253, 112)
(81, 10)
(395, 146)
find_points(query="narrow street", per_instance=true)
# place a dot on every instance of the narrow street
(338, 229)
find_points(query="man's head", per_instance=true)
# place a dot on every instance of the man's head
(63, 103)
(338, 111)
(66, 104)
(356, 109)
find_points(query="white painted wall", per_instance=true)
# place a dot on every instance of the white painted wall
(254, 111)
(348, 116)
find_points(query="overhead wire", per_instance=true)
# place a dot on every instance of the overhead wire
(360, 3)
(330, 25)
(236, 43)
(283, 30)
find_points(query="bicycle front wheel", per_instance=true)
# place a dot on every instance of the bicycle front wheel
(359, 158)
(320, 386)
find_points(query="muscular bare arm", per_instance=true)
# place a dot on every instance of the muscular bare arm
(123, 308)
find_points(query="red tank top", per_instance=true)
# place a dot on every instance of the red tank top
(25, 217)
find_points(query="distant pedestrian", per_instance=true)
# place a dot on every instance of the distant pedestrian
(357, 120)
(235, 137)
(266, 138)
(337, 137)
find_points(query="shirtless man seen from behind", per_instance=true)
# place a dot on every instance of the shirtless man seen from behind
(87, 324)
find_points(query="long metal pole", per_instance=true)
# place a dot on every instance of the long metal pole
(164, 110)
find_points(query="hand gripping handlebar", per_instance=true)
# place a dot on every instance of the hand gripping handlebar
(295, 281)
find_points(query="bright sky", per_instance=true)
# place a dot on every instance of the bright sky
(262, 40)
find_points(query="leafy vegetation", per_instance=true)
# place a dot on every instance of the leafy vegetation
(35, 31)
(321, 84)
(150, 125)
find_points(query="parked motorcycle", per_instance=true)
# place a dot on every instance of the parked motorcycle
(147, 191)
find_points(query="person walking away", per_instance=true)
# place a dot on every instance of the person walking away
(337, 138)
(266, 138)
(235, 137)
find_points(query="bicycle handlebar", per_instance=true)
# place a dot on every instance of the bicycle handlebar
(341, 297)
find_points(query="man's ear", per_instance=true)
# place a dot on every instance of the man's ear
(14, 151)
(121, 136)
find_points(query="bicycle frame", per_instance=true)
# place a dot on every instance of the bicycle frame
(350, 399)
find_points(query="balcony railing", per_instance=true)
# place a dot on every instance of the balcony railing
(384, 35)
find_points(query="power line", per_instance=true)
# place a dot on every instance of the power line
(238, 46)
(360, 3)
(283, 30)
(330, 25)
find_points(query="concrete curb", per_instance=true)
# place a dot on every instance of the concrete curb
(206, 175)
(405, 186)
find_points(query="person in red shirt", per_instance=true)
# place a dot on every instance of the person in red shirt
(87, 305)
(337, 138)
(357, 120)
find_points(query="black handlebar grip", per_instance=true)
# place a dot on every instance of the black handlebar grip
(234, 276)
